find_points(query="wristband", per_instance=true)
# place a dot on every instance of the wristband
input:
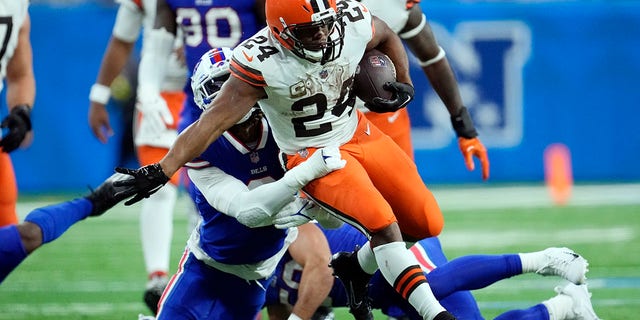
(433, 60)
(415, 31)
(99, 93)
(463, 125)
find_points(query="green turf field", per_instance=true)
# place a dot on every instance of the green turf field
(95, 270)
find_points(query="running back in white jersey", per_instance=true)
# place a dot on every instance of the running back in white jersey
(12, 15)
(308, 104)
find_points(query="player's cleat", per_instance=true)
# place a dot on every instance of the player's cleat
(581, 308)
(565, 263)
(152, 294)
(323, 313)
(355, 281)
(106, 195)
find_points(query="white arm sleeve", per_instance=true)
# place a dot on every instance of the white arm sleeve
(230, 196)
(128, 22)
(156, 49)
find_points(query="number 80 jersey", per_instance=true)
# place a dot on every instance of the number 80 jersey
(308, 104)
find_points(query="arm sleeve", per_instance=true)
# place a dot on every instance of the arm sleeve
(128, 22)
(232, 197)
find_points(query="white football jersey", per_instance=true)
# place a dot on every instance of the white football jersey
(393, 12)
(134, 16)
(307, 103)
(12, 15)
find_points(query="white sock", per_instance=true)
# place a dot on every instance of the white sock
(394, 260)
(558, 307)
(156, 228)
(367, 259)
(530, 261)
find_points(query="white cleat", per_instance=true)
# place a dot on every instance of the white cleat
(581, 308)
(565, 263)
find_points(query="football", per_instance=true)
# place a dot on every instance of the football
(374, 70)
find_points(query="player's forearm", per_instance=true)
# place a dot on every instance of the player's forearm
(313, 290)
(157, 48)
(113, 61)
(444, 83)
(21, 83)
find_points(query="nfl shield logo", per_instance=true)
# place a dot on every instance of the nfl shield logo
(377, 61)
(254, 157)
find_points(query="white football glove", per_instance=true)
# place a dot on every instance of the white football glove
(293, 214)
(322, 162)
(156, 115)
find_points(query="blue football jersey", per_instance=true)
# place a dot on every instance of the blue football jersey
(222, 237)
(207, 24)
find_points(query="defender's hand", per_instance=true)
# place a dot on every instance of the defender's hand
(402, 94)
(324, 161)
(156, 115)
(474, 148)
(293, 214)
(18, 123)
(145, 181)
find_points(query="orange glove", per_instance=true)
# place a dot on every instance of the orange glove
(473, 147)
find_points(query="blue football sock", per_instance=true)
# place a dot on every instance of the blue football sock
(537, 312)
(472, 272)
(55, 219)
(12, 251)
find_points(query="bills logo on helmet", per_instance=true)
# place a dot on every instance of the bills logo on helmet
(488, 58)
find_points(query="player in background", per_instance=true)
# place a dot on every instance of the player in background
(405, 17)
(16, 67)
(46, 224)
(471, 272)
(300, 70)
(155, 130)
(205, 25)
(240, 187)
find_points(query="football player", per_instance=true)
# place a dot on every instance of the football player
(405, 18)
(241, 192)
(155, 130)
(46, 224)
(16, 67)
(449, 280)
(300, 70)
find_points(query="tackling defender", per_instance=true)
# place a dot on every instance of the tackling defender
(240, 187)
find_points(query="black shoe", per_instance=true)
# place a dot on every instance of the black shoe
(355, 281)
(105, 196)
(153, 293)
(323, 313)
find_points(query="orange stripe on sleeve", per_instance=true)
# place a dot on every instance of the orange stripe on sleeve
(249, 75)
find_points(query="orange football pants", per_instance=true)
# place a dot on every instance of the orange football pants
(379, 185)
(149, 154)
(8, 191)
(396, 125)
